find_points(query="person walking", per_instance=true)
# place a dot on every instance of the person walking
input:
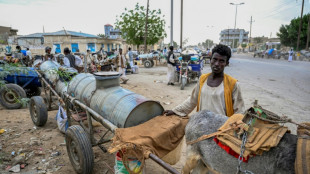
(121, 64)
(171, 66)
(130, 55)
(290, 55)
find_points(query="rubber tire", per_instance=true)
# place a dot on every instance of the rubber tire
(183, 83)
(147, 64)
(152, 61)
(84, 163)
(38, 110)
(19, 91)
(33, 91)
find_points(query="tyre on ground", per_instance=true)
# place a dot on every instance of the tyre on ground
(79, 149)
(183, 83)
(147, 64)
(38, 110)
(11, 95)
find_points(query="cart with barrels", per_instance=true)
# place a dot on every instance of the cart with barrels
(91, 97)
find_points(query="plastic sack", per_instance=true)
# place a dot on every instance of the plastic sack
(119, 167)
(62, 121)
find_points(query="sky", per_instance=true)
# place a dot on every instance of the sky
(202, 19)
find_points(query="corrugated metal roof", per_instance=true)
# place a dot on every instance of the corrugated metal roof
(32, 35)
(60, 33)
(72, 33)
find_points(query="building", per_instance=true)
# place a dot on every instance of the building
(111, 33)
(5, 33)
(71, 39)
(240, 36)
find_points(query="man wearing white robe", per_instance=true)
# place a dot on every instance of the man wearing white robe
(171, 66)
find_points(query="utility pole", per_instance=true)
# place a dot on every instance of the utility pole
(181, 38)
(251, 29)
(228, 36)
(308, 35)
(298, 38)
(145, 34)
(171, 25)
(235, 20)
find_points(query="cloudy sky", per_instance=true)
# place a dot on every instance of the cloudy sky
(203, 19)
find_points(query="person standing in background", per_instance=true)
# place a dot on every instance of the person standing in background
(121, 64)
(290, 55)
(171, 66)
(130, 55)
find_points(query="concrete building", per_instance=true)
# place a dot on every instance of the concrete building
(5, 33)
(111, 33)
(71, 39)
(238, 35)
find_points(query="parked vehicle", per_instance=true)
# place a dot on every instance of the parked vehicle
(22, 84)
(148, 59)
(188, 68)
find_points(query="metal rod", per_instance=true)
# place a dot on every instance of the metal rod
(51, 89)
(106, 123)
(163, 164)
(181, 38)
(146, 19)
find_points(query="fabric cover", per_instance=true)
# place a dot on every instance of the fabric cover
(302, 162)
(159, 136)
(264, 136)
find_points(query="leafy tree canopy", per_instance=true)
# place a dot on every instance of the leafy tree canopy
(132, 25)
(288, 33)
(207, 44)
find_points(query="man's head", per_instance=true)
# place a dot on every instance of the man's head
(171, 48)
(48, 50)
(88, 51)
(120, 51)
(220, 58)
(66, 51)
(129, 48)
(27, 49)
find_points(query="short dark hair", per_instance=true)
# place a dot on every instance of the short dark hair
(171, 48)
(129, 48)
(223, 50)
(66, 50)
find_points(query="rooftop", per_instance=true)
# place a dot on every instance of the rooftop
(60, 33)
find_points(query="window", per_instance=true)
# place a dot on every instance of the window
(108, 47)
(58, 50)
(74, 47)
(102, 46)
(112, 46)
(91, 47)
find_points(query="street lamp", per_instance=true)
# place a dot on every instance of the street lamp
(235, 19)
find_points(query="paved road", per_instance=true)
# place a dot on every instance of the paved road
(280, 86)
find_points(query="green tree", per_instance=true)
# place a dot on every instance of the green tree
(288, 33)
(258, 39)
(101, 35)
(208, 43)
(132, 25)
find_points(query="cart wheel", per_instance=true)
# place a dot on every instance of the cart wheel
(79, 149)
(33, 91)
(9, 94)
(152, 61)
(38, 110)
(183, 83)
(147, 64)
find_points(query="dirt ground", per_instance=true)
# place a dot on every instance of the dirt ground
(44, 147)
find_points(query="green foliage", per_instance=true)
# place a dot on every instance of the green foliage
(101, 35)
(207, 44)
(288, 34)
(132, 25)
(258, 39)
(243, 45)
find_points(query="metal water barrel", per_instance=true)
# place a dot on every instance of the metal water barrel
(49, 69)
(82, 86)
(118, 105)
(61, 88)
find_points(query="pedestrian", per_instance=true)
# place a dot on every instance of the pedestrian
(171, 66)
(290, 55)
(130, 55)
(48, 55)
(69, 59)
(121, 64)
(28, 57)
(215, 91)
(165, 51)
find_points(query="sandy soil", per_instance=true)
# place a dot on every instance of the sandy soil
(40, 144)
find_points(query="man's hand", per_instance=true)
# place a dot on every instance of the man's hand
(169, 112)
